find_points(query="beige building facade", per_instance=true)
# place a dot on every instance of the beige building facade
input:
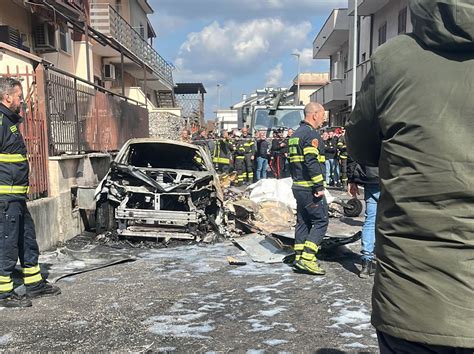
(377, 22)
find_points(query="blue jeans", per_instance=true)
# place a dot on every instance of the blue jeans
(371, 197)
(262, 164)
(330, 170)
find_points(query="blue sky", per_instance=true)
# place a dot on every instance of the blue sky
(240, 44)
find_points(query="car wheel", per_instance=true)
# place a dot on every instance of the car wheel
(354, 208)
(104, 217)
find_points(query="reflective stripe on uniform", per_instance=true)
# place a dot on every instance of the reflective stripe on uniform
(221, 160)
(322, 158)
(343, 157)
(240, 157)
(31, 270)
(317, 179)
(6, 287)
(304, 183)
(297, 158)
(14, 189)
(5, 279)
(293, 141)
(310, 150)
(298, 246)
(308, 256)
(312, 246)
(32, 279)
(13, 158)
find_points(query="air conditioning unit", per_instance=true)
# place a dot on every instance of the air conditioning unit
(109, 71)
(45, 37)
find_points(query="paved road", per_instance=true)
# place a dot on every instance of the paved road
(189, 299)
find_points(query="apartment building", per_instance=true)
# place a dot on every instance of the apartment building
(91, 80)
(130, 65)
(308, 83)
(377, 22)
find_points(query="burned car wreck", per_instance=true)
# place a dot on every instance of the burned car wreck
(160, 189)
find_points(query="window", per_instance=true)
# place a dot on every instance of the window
(142, 31)
(383, 33)
(364, 57)
(64, 39)
(402, 21)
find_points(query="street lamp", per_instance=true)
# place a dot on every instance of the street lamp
(354, 57)
(298, 79)
(218, 96)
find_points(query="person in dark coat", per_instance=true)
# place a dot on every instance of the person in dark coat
(279, 151)
(416, 102)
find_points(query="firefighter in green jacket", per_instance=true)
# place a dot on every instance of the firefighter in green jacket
(222, 153)
(305, 149)
(416, 102)
(18, 230)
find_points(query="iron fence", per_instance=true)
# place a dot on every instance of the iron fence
(84, 117)
(33, 129)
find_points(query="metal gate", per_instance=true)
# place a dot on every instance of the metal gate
(34, 128)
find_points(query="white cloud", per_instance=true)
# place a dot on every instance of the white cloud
(218, 51)
(274, 76)
(306, 58)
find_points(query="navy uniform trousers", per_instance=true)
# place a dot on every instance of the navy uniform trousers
(17, 241)
(312, 218)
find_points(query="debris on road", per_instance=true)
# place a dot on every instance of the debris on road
(262, 250)
(235, 261)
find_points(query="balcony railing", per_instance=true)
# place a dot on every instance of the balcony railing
(361, 72)
(332, 92)
(109, 22)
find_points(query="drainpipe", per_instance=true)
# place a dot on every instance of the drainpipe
(354, 64)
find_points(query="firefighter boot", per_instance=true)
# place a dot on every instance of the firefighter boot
(14, 300)
(298, 248)
(309, 267)
(308, 262)
(42, 289)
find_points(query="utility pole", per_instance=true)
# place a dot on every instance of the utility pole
(298, 80)
(218, 99)
(354, 58)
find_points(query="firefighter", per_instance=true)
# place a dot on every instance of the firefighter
(244, 156)
(342, 156)
(18, 229)
(305, 148)
(222, 153)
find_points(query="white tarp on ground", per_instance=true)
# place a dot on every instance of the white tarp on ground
(277, 190)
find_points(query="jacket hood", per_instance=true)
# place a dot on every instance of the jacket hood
(446, 25)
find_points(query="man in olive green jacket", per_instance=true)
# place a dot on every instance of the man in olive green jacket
(414, 118)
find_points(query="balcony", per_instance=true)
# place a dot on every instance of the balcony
(332, 94)
(361, 72)
(367, 7)
(108, 21)
(333, 35)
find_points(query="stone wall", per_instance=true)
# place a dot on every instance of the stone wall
(165, 125)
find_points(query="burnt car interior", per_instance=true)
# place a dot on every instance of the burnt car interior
(161, 186)
(165, 156)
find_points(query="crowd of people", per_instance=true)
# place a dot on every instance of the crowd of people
(259, 157)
